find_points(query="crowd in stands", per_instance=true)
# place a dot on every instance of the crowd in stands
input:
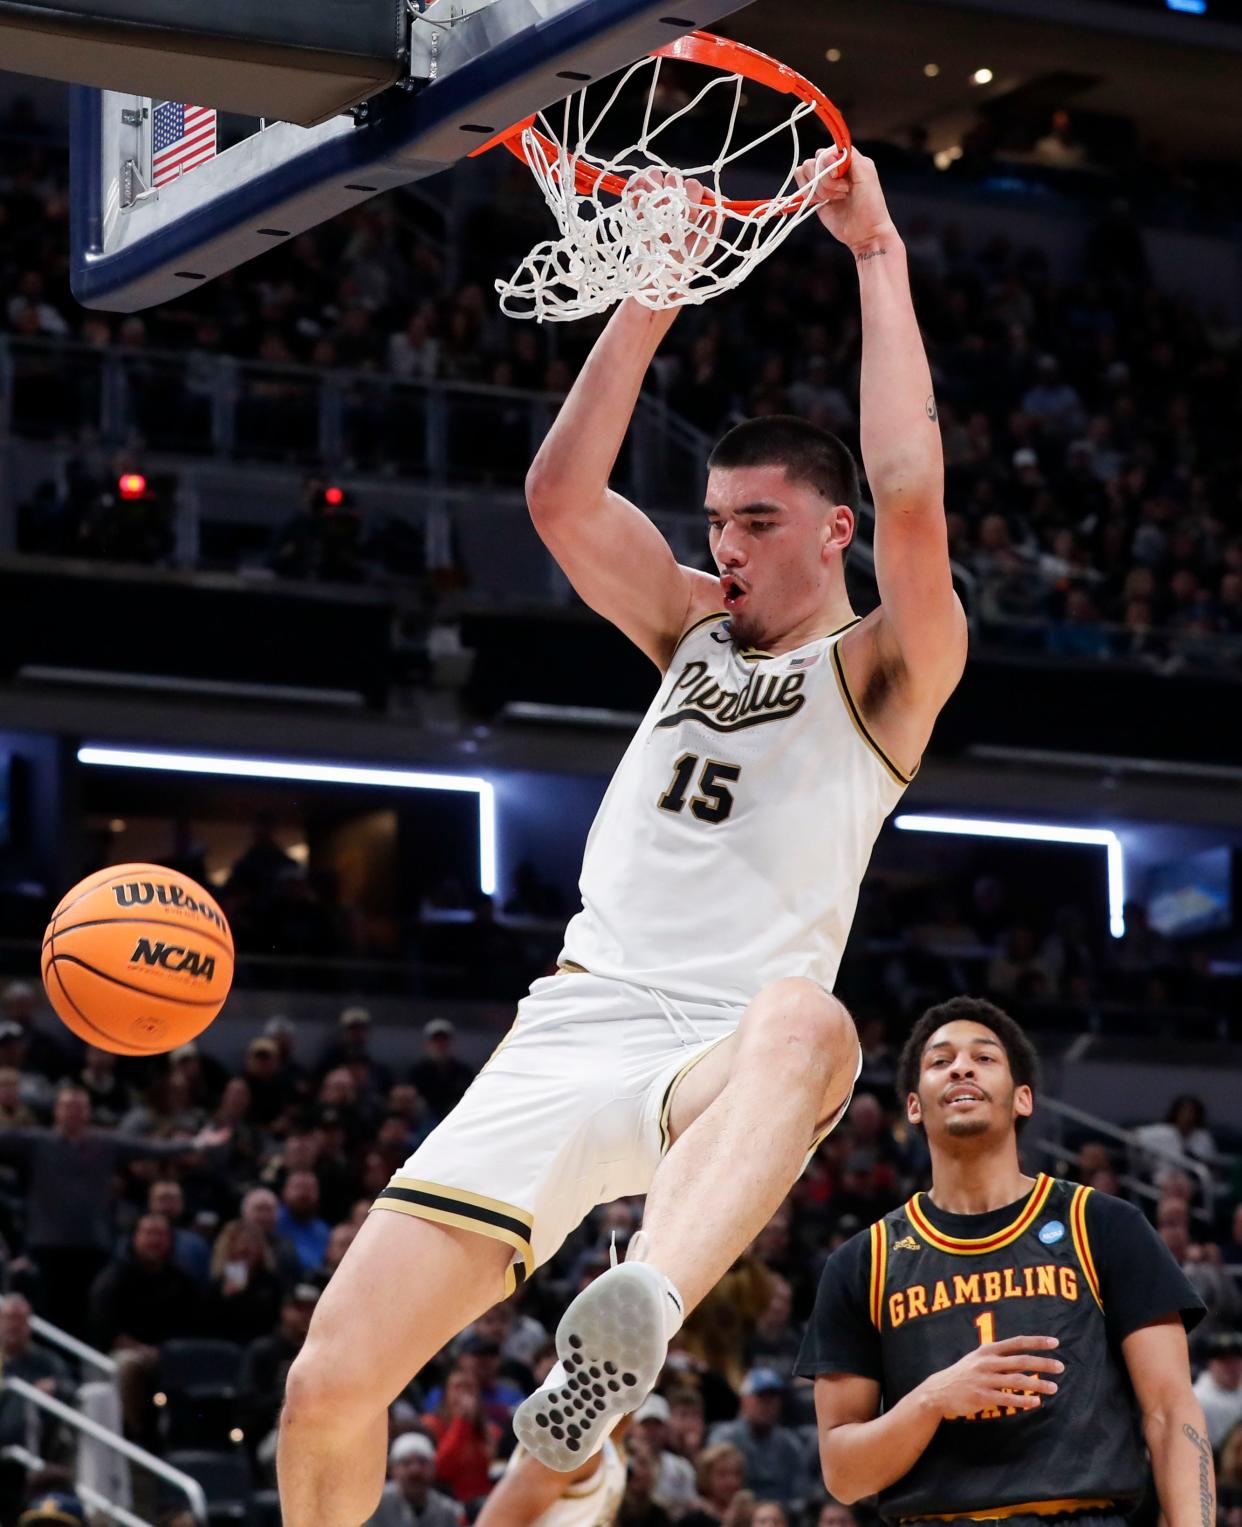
(1091, 451)
(294, 925)
(1022, 940)
(1032, 951)
(146, 1203)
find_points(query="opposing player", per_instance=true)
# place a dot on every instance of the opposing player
(690, 1047)
(1003, 1347)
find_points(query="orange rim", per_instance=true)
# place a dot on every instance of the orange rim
(715, 53)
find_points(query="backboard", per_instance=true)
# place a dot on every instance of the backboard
(475, 66)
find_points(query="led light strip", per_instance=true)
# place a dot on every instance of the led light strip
(319, 774)
(1039, 832)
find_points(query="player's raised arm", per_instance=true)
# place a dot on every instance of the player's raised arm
(609, 550)
(923, 627)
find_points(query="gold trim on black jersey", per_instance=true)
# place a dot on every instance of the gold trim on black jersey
(1082, 1241)
(466, 1211)
(994, 1242)
(879, 1271)
(860, 726)
(1027, 1508)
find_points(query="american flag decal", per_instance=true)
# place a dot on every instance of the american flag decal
(804, 662)
(182, 138)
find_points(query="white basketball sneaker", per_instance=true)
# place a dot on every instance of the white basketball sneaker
(612, 1342)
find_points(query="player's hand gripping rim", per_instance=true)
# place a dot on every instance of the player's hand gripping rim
(694, 237)
(849, 200)
(997, 1375)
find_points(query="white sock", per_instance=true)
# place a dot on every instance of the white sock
(674, 1305)
(674, 1310)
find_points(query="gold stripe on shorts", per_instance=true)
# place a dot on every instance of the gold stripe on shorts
(666, 1106)
(466, 1211)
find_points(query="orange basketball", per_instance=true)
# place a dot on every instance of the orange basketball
(137, 959)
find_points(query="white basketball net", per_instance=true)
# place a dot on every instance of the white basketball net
(651, 243)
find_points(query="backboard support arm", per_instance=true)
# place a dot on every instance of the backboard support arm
(471, 74)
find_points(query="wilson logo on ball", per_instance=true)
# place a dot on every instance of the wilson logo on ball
(137, 958)
(142, 893)
(174, 957)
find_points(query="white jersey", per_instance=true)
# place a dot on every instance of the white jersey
(593, 1503)
(730, 845)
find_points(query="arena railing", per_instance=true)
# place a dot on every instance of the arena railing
(95, 1502)
(193, 1492)
(1136, 1187)
(193, 404)
(1139, 1152)
(80, 1351)
(102, 1473)
(1159, 650)
(192, 412)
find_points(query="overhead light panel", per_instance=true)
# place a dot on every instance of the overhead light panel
(317, 774)
(1038, 832)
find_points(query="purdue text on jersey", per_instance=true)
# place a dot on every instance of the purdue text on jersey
(765, 830)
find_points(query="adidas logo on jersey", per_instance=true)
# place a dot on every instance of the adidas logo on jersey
(907, 1243)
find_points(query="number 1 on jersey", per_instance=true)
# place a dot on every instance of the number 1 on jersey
(714, 802)
(985, 1324)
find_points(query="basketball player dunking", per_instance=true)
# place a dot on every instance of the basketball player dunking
(1003, 1348)
(690, 1047)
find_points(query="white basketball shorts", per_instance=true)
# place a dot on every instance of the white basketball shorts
(572, 1110)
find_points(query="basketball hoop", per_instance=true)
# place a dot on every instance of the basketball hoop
(626, 233)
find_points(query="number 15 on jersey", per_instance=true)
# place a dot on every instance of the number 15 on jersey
(714, 800)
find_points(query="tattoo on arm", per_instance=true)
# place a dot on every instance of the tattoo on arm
(870, 254)
(932, 412)
(1207, 1505)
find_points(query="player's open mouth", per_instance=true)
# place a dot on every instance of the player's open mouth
(733, 592)
(961, 1098)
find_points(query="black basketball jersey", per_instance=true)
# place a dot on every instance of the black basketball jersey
(932, 1296)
